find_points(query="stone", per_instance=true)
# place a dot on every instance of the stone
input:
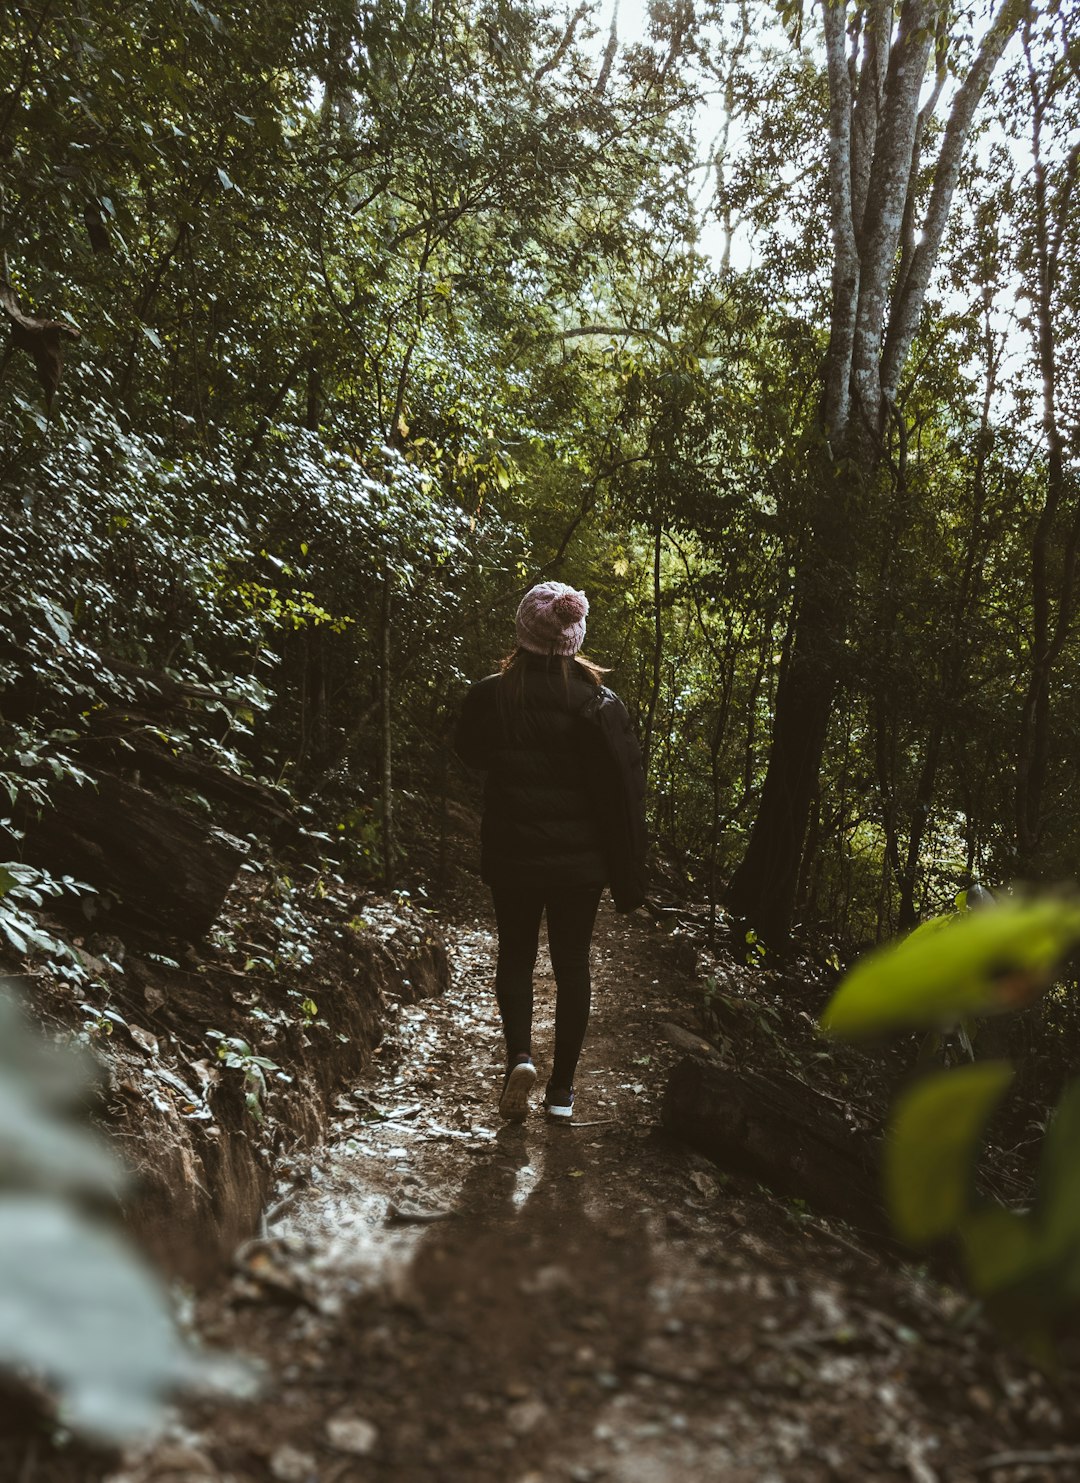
(289, 1465)
(175, 1460)
(352, 1434)
(549, 1279)
(525, 1416)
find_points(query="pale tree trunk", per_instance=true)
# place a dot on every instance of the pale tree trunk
(728, 79)
(877, 123)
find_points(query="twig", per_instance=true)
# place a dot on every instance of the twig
(1037, 1459)
(278, 1209)
(840, 1241)
(875, 1241)
(673, 1377)
(412, 1215)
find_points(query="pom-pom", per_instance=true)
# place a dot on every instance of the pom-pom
(570, 607)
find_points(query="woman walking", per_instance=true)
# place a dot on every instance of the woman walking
(563, 818)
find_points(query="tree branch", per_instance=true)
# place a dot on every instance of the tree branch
(877, 36)
(890, 176)
(845, 277)
(620, 331)
(905, 318)
(564, 45)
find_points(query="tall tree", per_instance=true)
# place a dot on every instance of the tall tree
(887, 231)
(1048, 87)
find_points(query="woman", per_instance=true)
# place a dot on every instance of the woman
(563, 817)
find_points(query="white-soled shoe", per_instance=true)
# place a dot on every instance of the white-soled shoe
(514, 1101)
(559, 1104)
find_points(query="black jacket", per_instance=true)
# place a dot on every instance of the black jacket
(564, 793)
(617, 790)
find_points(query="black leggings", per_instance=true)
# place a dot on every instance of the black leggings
(570, 917)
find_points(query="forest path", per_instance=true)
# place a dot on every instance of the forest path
(592, 1302)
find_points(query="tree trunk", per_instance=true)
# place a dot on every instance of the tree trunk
(1052, 612)
(780, 1131)
(387, 786)
(657, 654)
(764, 887)
(876, 129)
(920, 817)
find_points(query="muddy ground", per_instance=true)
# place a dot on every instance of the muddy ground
(442, 1298)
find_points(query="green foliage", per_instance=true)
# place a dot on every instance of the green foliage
(319, 301)
(934, 1138)
(237, 1054)
(1024, 1264)
(1027, 1263)
(23, 891)
(974, 963)
(755, 951)
(387, 311)
(80, 1312)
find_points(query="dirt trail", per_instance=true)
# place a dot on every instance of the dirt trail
(446, 1298)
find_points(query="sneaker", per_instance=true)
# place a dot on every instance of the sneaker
(559, 1104)
(514, 1101)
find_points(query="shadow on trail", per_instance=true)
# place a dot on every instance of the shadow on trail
(512, 1327)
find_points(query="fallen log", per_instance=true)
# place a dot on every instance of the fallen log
(158, 868)
(780, 1131)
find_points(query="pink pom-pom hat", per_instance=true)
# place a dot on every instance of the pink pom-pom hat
(551, 619)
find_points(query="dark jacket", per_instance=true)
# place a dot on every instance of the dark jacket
(564, 778)
(617, 789)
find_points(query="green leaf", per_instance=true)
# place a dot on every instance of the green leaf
(40, 1149)
(933, 1143)
(1058, 1203)
(7, 880)
(1007, 1268)
(951, 968)
(1001, 1248)
(78, 1305)
(12, 933)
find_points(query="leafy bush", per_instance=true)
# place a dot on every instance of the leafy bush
(1025, 1264)
(22, 888)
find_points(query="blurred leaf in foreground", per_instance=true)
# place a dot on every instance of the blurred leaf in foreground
(80, 1311)
(950, 968)
(934, 1141)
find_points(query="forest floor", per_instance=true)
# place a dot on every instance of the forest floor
(444, 1298)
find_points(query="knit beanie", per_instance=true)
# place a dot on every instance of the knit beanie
(551, 619)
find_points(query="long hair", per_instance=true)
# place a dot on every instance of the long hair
(512, 669)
